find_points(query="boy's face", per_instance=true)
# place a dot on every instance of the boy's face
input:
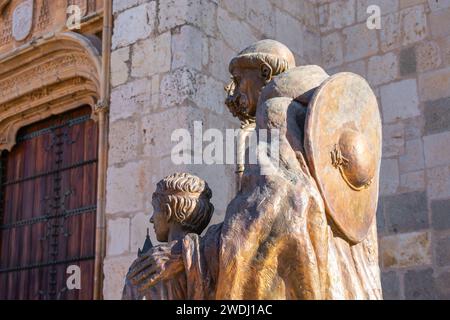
(160, 223)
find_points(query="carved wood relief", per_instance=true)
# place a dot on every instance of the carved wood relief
(48, 77)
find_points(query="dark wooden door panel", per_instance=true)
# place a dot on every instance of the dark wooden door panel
(48, 208)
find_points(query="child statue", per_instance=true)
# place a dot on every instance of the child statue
(181, 211)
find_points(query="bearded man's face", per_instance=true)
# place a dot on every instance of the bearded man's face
(243, 92)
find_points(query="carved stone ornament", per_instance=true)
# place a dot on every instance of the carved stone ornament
(50, 76)
(22, 20)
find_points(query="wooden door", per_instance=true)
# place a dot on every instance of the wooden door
(48, 208)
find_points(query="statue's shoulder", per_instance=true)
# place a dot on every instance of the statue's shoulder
(297, 83)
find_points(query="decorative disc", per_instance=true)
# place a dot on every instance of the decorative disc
(343, 146)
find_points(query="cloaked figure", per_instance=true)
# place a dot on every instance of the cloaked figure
(307, 229)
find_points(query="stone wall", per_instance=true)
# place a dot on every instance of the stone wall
(407, 63)
(169, 68)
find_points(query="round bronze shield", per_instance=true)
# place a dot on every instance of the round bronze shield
(343, 147)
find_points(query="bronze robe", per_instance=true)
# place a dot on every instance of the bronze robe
(277, 242)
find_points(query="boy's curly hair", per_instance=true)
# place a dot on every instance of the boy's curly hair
(185, 198)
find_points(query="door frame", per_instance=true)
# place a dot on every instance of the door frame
(51, 76)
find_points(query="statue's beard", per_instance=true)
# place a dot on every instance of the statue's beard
(238, 105)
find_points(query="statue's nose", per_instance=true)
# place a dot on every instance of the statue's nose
(152, 220)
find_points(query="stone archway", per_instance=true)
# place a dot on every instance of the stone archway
(47, 77)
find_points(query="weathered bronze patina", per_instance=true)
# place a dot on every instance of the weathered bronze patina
(3, 4)
(307, 230)
(343, 146)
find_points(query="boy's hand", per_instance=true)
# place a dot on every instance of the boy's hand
(159, 263)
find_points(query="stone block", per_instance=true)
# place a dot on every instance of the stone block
(386, 6)
(155, 83)
(359, 42)
(381, 221)
(399, 100)
(129, 99)
(133, 24)
(259, 14)
(332, 50)
(312, 48)
(412, 181)
(391, 32)
(126, 187)
(414, 127)
(177, 87)
(218, 53)
(428, 56)
(437, 116)
(229, 27)
(115, 270)
(389, 176)
(118, 236)
(382, 69)
(442, 284)
(358, 67)
(406, 212)
(393, 139)
(336, 15)
(405, 250)
(123, 141)
(440, 23)
(434, 84)
(119, 66)
(175, 13)
(444, 45)
(412, 159)
(185, 85)
(437, 149)
(289, 31)
(304, 11)
(409, 3)
(151, 56)
(419, 285)
(390, 284)
(210, 94)
(438, 5)
(236, 7)
(189, 48)
(153, 142)
(408, 63)
(438, 180)
(440, 214)
(443, 251)
(120, 5)
(414, 23)
(403, 28)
